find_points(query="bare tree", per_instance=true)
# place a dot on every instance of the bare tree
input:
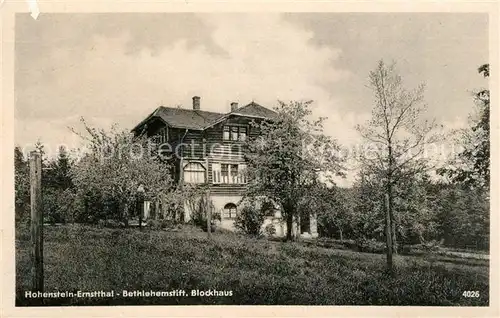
(398, 133)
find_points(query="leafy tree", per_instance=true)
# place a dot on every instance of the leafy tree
(333, 208)
(472, 165)
(399, 134)
(368, 209)
(462, 216)
(58, 173)
(416, 217)
(116, 164)
(289, 155)
(22, 185)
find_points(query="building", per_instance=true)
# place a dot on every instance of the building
(207, 148)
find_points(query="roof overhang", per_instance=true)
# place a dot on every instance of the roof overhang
(218, 121)
(149, 118)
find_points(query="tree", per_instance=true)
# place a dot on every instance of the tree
(399, 134)
(333, 208)
(289, 154)
(58, 172)
(116, 164)
(462, 216)
(368, 208)
(472, 166)
(22, 185)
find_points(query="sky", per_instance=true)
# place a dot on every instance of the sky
(118, 67)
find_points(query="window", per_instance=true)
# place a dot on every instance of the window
(225, 134)
(242, 178)
(234, 133)
(228, 173)
(243, 133)
(224, 173)
(194, 172)
(161, 136)
(229, 211)
(234, 174)
(216, 173)
(164, 135)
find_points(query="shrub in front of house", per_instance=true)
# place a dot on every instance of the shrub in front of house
(270, 230)
(250, 220)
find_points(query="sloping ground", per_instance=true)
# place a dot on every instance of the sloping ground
(255, 271)
(470, 255)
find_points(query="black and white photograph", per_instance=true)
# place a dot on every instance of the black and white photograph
(252, 158)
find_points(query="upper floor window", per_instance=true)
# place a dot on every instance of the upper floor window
(228, 173)
(243, 133)
(224, 173)
(194, 172)
(234, 174)
(225, 134)
(161, 136)
(234, 133)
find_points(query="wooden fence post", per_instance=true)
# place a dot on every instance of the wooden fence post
(36, 220)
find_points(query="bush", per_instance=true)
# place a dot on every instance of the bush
(162, 224)
(370, 246)
(154, 224)
(270, 230)
(112, 224)
(250, 220)
(199, 212)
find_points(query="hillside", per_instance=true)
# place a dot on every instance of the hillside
(255, 271)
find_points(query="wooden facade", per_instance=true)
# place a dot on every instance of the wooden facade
(208, 148)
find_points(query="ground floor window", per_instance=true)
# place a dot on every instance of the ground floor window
(229, 211)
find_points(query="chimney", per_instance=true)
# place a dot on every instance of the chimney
(234, 106)
(196, 102)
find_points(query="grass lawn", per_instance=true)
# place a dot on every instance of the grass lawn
(88, 258)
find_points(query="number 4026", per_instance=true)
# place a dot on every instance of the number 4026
(471, 293)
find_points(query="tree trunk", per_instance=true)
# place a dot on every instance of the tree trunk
(289, 226)
(157, 209)
(341, 236)
(391, 216)
(390, 199)
(125, 213)
(289, 212)
(388, 231)
(140, 207)
(394, 241)
(299, 228)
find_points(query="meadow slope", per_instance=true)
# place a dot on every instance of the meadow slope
(257, 271)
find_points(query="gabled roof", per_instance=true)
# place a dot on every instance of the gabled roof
(200, 119)
(254, 110)
(186, 118)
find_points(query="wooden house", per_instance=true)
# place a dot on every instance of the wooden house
(207, 148)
